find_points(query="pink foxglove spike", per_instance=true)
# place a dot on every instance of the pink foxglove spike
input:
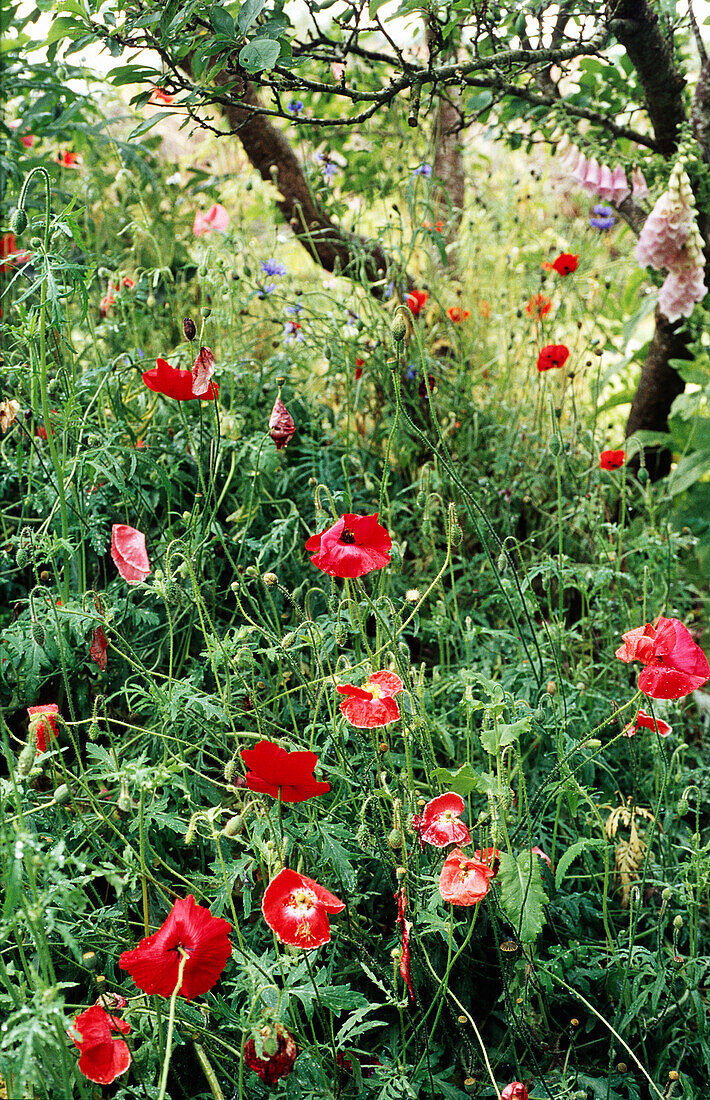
(683, 287)
(569, 160)
(606, 187)
(619, 184)
(639, 187)
(593, 176)
(580, 172)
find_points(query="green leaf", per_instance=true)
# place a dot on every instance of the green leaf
(148, 124)
(571, 854)
(259, 54)
(64, 27)
(466, 780)
(249, 11)
(504, 734)
(689, 470)
(522, 896)
(222, 22)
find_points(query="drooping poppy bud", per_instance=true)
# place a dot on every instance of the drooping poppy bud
(281, 425)
(188, 328)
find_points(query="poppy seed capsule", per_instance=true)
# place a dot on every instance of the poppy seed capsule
(18, 221)
(189, 328)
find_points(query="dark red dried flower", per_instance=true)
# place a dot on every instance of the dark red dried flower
(202, 371)
(405, 962)
(271, 1067)
(99, 645)
(281, 426)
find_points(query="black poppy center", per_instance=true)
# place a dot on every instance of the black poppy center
(347, 536)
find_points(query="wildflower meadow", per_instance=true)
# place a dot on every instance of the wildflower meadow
(355, 505)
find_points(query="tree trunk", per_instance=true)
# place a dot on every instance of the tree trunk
(448, 164)
(658, 387)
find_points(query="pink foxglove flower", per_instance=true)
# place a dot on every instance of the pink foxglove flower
(619, 185)
(639, 187)
(593, 176)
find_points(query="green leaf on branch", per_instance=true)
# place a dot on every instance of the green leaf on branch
(466, 780)
(248, 13)
(494, 740)
(522, 896)
(259, 54)
(222, 22)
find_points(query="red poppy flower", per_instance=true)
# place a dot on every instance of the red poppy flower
(189, 929)
(99, 645)
(551, 356)
(514, 1091)
(202, 371)
(106, 302)
(489, 857)
(438, 228)
(274, 771)
(129, 553)
(612, 460)
(281, 425)
(405, 962)
(416, 301)
(175, 383)
(373, 704)
(296, 908)
(543, 855)
(158, 96)
(271, 1067)
(103, 1058)
(10, 252)
(675, 664)
(538, 306)
(464, 881)
(565, 263)
(440, 825)
(646, 722)
(359, 364)
(27, 140)
(457, 314)
(352, 547)
(68, 160)
(43, 723)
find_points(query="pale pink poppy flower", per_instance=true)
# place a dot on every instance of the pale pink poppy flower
(216, 218)
(129, 553)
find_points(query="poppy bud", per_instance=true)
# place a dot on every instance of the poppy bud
(26, 759)
(18, 221)
(288, 640)
(643, 475)
(456, 535)
(399, 326)
(281, 424)
(341, 634)
(551, 688)
(35, 242)
(554, 445)
(21, 557)
(682, 807)
(38, 634)
(394, 839)
(233, 826)
(94, 731)
(189, 329)
(270, 579)
(62, 795)
(678, 922)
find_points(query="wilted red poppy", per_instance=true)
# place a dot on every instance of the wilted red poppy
(352, 547)
(103, 1058)
(129, 553)
(43, 723)
(612, 460)
(440, 822)
(457, 314)
(675, 664)
(416, 301)
(514, 1091)
(464, 881)
(551, 356)
(281, 426)
(274, 771)
(373, 704)
(99, 645)
(405, 962)
(296, 908)
(202, 371)
(565, 263)
(278, 1053)
(175, 383)
(645, 721)
(490, 858)
(538, 306)
(158, 96)
(191, 930)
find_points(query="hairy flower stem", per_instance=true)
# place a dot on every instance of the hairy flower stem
(171, 1024)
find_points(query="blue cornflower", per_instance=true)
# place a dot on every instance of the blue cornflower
(273, 267)
(264, 290)
(411, 372)
(604, 219)
(294, 310)
(328, 168)
(295, 107)
(292, 333)
(423, 170)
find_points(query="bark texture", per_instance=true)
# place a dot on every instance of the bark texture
(658, 387)
(448, 164)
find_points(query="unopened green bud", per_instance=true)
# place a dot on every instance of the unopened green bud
(62, 795)
(18, 221)
(399, 326)
(230, 771)
(682, 807)
(667, 894)
(22, 557)
(26, 759)
(94, 731)
(288, 640)
(340, 634)
(233, 826)
(35, 242)
(38, 633)
(502, 563)
(643, 475)
(456, 535)
(270, 579)
(678, 922)
(394, 838)
(554, 445)
(174, 594)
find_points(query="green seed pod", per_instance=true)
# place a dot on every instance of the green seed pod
(18, 221)
(22, 557)
(233, 826)
(205, 312)
(643, 475)
(38, 634)
(26, 759)
(682, 807)
(554, 445)
(62, 795)
(89, 960)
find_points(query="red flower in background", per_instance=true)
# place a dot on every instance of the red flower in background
(565, 263)
(405, 962)
(675, 664)
(271, 1067)
(68, 160)
(296, 908)
(175, 383)
(489, 857)
(216, 218)
(103, 1058)
(99, 645)
(189, 929)
(352, 547)
(464, 881)
(458, 315)
(538, 306)
(543, 855)
(158, 96)
(612, 460)
(359, 364)
(552, 356)
(416, 301)
(10, 252)
(281, 425)
(440, 822)
(274, 771)
(43, 723)
(514, 1091)
(645, 721)
(129, 553)
(373, 704)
